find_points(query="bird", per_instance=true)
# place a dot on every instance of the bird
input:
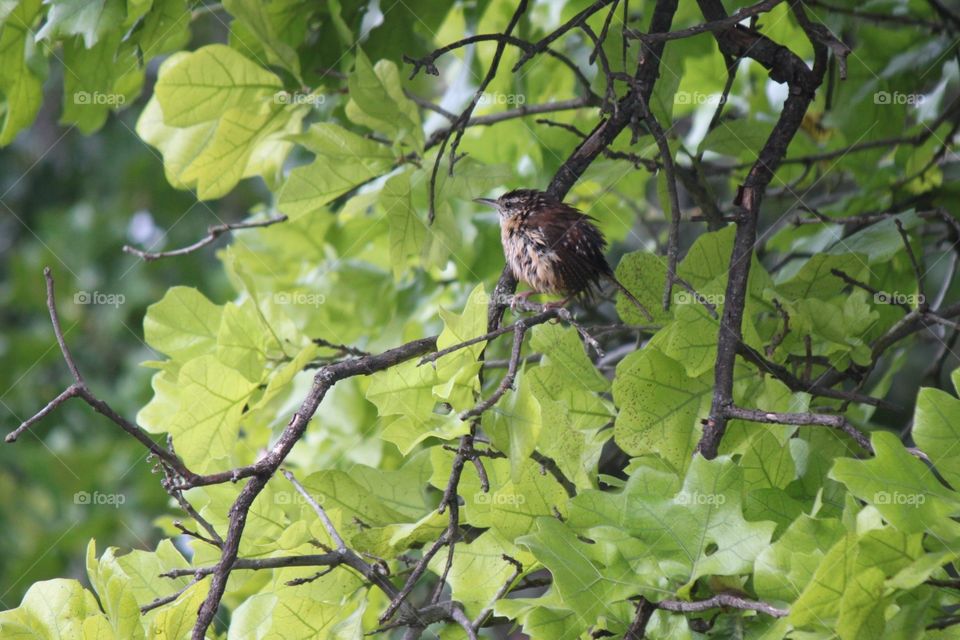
(553, 247)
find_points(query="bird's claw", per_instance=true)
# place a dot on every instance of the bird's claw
(519, 298)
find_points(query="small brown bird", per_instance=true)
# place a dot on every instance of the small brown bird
(553, 247)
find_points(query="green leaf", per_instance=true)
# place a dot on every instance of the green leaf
(242, 340)
(226, 156)
(406, 389)
(511, 507)
(643, 273)
(179, 147)
(692, 338)
(659, 407)
(575, 450)
(20, 85)
(205, 84)
(176, 620)
(880, 241)
(552, 383)
(900, 487)
(51, 609)
(375, 499)
(343, 161)
(862, 606)
(737, 138)
(458, 371)
(699, 531)
(767, 463)
(409, 235)
(256, 17)
(707, 260)
(212, 400)
(91, 19)
(564, 351)
(166, 27)
(102, 78)
(815, 280)
(377, 101)
(479, 570)
(115, 593)
(143, 568)
(820, 600)
(936, 429)
(287, 615)
(785, 568)
(577, 570)
(515, 425)
(183, 324)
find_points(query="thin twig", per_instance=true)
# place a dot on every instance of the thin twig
(321, 513)
(917, 272)
(504, 589)
(159, 602)
(712, 25)
(213, 233)
(507, 383)
(458, 128)
(782, 333)
(79, 390)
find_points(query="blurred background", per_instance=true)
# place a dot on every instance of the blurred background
(71, 202)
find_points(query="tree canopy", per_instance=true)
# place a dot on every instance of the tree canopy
(353, 431)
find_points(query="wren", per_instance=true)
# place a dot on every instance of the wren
(553, 247)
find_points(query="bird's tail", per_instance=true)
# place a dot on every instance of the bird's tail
(632, 298)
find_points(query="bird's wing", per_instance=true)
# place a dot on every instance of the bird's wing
(578, 243)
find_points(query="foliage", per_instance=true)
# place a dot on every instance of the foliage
(704, 475)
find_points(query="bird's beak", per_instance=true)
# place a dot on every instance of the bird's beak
(488, 201)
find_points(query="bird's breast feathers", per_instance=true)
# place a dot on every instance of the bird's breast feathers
(530, 257)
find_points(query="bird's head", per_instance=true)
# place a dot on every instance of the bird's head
(517, 202)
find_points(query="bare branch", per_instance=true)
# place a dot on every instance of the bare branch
(213, 233)
(801, 419)
(783, 66)
(79, 389)
(520, 331)
(713, 25)
(722, 600)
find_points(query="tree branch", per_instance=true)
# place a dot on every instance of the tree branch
(213, 233)
(783, 66)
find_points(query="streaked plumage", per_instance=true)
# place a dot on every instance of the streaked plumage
(553, 247)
